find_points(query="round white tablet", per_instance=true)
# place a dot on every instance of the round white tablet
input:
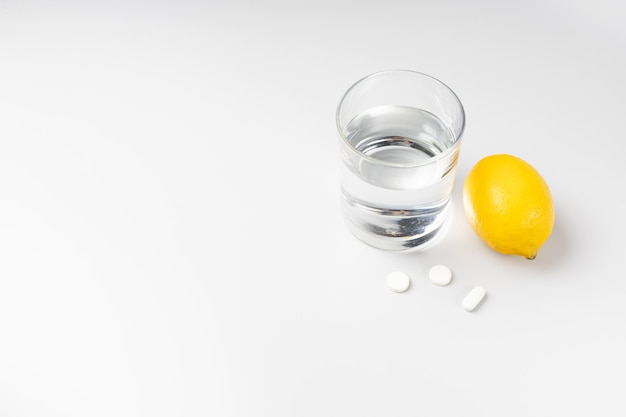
(398, 281)
(440, 275)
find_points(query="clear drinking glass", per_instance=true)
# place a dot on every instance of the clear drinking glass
(400, 137)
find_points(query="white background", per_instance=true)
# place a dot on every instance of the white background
(170, 236)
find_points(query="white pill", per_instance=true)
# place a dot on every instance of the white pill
(398, 281)
(440, 275)
(473, 298)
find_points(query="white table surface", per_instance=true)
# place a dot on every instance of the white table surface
(170, 235)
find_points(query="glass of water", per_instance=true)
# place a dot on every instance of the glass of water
(400, 138)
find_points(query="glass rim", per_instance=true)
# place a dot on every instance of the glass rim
(371, 159)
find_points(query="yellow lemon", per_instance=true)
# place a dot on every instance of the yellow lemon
(509, 205)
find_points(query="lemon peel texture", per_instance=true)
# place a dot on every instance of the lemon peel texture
(509, 205)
